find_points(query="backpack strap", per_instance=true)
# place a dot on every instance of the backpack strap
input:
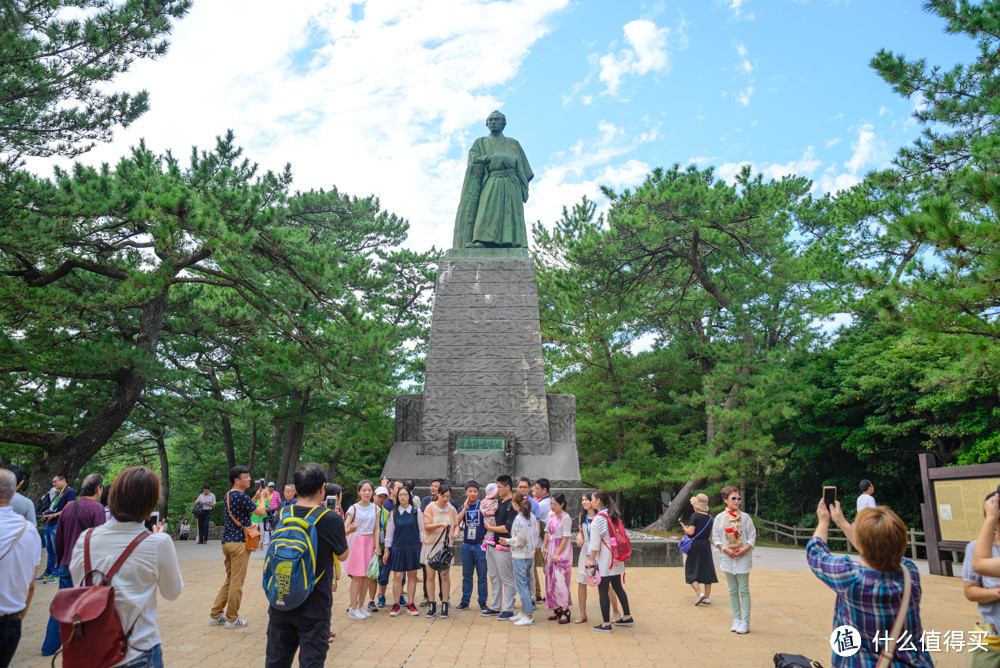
(76, 508)
(704, 527)
(118, 563)
(128, 550)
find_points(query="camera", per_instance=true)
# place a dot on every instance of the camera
(829, 495)
(331, 502)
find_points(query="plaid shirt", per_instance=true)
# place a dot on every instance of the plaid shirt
(868, 600)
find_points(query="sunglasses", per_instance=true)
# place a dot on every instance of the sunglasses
(735, 498)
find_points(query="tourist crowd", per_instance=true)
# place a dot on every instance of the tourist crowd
(514, 538)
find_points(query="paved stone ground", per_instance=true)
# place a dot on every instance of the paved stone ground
(792, 612)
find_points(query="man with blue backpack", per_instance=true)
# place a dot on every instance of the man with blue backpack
(299, 573)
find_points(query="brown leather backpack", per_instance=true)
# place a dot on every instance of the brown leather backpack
(92, 635)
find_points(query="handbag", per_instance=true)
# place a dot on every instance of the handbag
(885, 660)
(441, 560)
(250, 534)
(687, 541)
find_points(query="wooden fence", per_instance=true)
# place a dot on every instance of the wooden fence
(767, 529)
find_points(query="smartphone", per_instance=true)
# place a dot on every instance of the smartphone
(829, 495)
(331, 502)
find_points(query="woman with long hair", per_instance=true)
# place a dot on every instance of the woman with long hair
(523, 541)
(558, 557)
(602, 558)
(361, 520)
(151, 565)
(439, 517)
(402, 550)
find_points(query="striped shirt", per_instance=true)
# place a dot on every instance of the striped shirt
(868, 600)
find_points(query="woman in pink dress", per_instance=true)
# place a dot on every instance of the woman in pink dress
(558, 559)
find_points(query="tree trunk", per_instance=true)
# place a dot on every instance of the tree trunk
(331, 470)
(227, 427)
(66, 454)
(293, 438)
(161, 450)
(272, 447)
(678, 505)
(253, 447)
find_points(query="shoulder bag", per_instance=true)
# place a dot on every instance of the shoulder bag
(885, 660)
(16, 540)
(251, 534)
(687, 541)
(441, 560)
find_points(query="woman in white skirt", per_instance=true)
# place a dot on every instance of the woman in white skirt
(361, 520)
(583, 542)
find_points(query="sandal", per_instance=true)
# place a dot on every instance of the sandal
(580, 620)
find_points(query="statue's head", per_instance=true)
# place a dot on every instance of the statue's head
(496, 118)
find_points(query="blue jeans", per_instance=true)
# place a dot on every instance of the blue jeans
(52, 640)
(151, 659)
(522, 580)
(473, 559)
(49, 537)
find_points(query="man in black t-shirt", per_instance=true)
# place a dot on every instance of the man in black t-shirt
(237, 509)
(307, 627)
(502, 523)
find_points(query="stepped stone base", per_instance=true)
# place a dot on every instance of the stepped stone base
(485, 379)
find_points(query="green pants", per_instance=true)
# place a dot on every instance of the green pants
(739, 595)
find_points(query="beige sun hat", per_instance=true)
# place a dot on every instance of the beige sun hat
(700, 502)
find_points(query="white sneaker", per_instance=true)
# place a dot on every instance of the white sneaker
(736, 625)
(237, 623)
(355, 614)
(518, 617)
(698, 599)
(744, 628)
(364, 612)
(524, 621)
(217, 621)
(707, 601)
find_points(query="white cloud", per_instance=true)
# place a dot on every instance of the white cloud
(583, 168)
(833, 142)
(737, 11)
(648, 51)
(883, 110)
(868, 152)
(743, 97)
(803, 166)
(863, 149)
(385, 100)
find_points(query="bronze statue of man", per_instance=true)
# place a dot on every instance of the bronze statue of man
(491, 210)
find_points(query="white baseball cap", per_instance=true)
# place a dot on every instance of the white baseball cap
(381, 490)
(270, 484)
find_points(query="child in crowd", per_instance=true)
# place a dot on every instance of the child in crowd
(362, 522)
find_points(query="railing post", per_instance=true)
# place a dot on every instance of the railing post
(913, 543)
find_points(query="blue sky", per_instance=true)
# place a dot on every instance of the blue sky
(386, 97)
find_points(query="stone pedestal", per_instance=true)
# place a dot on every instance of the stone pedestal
(484, 410)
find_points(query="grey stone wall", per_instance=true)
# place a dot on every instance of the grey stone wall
(485, 374)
